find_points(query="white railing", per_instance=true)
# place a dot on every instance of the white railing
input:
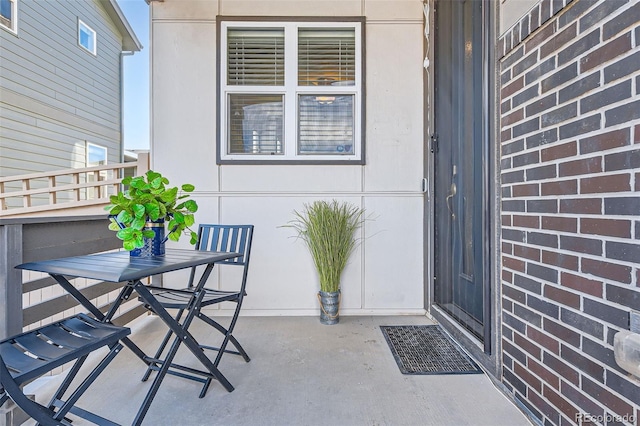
(65, 189)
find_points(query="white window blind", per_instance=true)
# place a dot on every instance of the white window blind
(255, 57)
(326, 57)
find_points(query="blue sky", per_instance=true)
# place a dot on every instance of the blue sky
(136, 78)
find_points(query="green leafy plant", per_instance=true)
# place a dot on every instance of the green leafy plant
(150, 198)
(328, 229)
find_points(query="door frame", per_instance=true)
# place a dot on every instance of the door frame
(486, 353)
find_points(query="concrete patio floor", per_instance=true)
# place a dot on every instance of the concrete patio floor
(301, 373)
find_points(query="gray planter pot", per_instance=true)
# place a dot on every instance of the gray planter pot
(329, 307)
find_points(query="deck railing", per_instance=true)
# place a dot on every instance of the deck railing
(30, 299)
(65, 189)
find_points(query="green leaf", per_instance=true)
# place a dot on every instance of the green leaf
(138, 223)
(138, 183)
(127, 180)
(169, 195)
(187, 187)
(139, 211)
(163, 210)
(174, 236)
(113, 226)
(147, 233)
(152, 175)
(189, 219)
(156, 183)
(178, 217)
(191, 205)
(194, 238)
(129, 245)
(124, 217)
(125, 234)
(153, 210)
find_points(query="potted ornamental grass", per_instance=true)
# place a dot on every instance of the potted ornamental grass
(140, 213)
(328, 229)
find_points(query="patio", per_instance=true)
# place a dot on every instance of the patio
(301, 373)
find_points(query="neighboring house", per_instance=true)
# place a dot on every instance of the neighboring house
(495, 146)
(61, 80)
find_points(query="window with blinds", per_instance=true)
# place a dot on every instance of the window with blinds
(255, 57)
(326, 57)
(290, 91)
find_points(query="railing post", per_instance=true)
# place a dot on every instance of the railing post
(10, 280)
(143, 163)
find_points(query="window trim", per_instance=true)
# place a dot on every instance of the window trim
(14, 18)
(222, 22)
(83, 26)
(100, 147)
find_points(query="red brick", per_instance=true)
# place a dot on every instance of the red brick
(580, 167)
(526, 221)
(619, 273)
(526, 190)
(605, 141)
(562, 296)
(507, 276)
(526, 345)
(513, 117)
(543, 340)
(581, 284)
(556, 223)
(565, 371)
(531, 380)
(607, 52)
(636, 134)
(512, 87)
(526, 252)
(558, 41)
(560, 151)
(544, 373)
(544, 34)
(608, 227)
(612, 183)
(607, 398)
(564, 187)
(560, 403)
(565, 261)
(515, 264)
(506, 220)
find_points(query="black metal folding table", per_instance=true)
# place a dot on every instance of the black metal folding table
(115, 267)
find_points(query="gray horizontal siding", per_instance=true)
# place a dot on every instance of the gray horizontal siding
(54, 95)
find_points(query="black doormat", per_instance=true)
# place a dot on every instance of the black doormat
(426, 349)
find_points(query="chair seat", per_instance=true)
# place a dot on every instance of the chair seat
(56, 344)
(179, 298)
(35, 353)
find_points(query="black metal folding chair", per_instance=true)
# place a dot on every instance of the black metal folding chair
(30, 355)
(222, 238)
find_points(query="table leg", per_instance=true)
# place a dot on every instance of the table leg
(93, 309)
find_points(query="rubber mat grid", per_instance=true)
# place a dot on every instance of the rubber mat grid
(426, 349)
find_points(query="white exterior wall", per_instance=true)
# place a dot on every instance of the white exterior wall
(386, 273)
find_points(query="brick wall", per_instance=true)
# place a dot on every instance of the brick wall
(570, 170)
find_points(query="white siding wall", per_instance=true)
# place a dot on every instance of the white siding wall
(386, 274)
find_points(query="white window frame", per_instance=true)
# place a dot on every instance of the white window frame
(290, 91)
(99, 147)
(82, 26)
(14, 18)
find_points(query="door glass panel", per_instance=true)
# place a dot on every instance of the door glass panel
(459, 288)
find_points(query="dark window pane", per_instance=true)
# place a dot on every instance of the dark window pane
(325, 124)
(255, 124)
